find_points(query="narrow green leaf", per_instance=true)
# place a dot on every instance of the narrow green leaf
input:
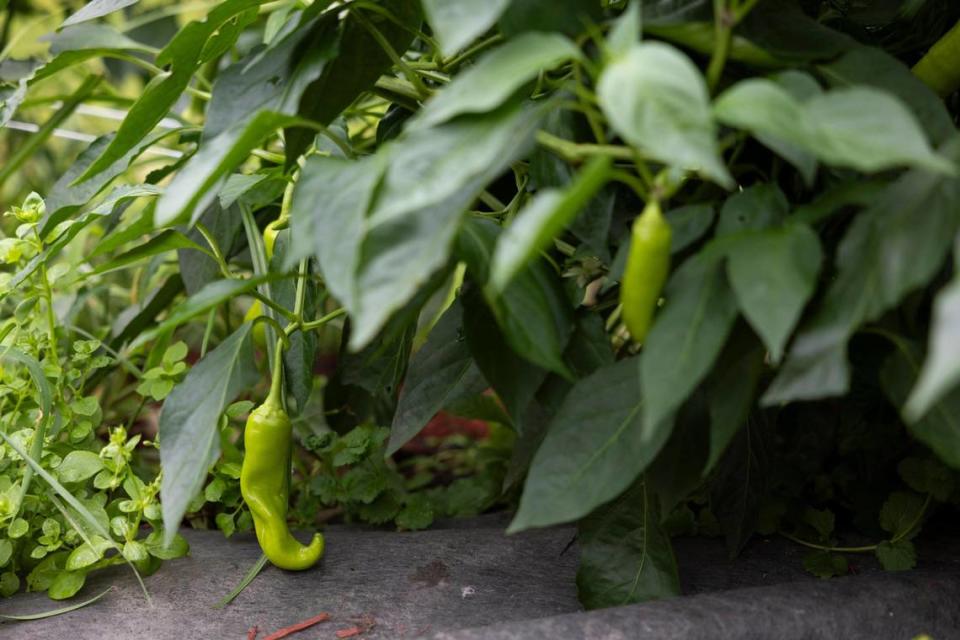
(189, 433)
(167, 240)
(941, 368)
(96, 9)
(25, 617)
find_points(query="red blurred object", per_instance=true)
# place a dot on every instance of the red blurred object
(444, 425)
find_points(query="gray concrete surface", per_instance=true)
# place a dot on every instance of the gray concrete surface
(466, 580)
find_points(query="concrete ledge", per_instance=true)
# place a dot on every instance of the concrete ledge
(877, 607)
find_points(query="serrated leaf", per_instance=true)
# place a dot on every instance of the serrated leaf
(902, 514)
(189, 434)
(824, 564)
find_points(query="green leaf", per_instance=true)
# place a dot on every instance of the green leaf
(45, 614)
(183, 54)
(939, 428)
(731, 389)
(897, 556)
(877, 264)
(209, 297)
(167, 240)
(824, 564)
(196, 180)
(158, 548)
(66, 585)
(870, 130)
(533, 312)
(456, 23)
(572, 17)
(860, 128)
(686, 337)
(773, 274)
(656, 98)
(441, 372)
(926, 475)
(625, 32)
(360, 61)
(688, 224)
(409, 231)
(189, 435)
(513, 378)
(93, 36)
(79, 465)
(497, 76)
(547, 215)
(96, 9)
(902, 514)
(625, 557)
(941, 368)
(347, 188)
(417, 513)
(595, 447)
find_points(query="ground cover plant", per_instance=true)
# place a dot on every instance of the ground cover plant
(656, 268)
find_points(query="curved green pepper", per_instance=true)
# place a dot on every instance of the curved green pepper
(265, 481)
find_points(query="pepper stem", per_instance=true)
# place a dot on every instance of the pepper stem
(276, 384)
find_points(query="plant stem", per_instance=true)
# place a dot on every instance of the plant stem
(575, 152)
(723, 22)
(821, 547)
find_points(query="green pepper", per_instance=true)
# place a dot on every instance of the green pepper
(939, 69)
(265, 481)
(648, 264)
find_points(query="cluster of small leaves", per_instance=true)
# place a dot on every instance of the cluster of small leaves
(70, 503)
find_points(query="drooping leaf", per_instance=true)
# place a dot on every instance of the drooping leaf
(941, 368)
(189, 432)
(877, 264)
(773, 273)
(96, 9)
(440, 373)
(625, 557)
(686, 337)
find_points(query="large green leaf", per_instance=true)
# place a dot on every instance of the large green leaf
(432, 177)
(440, 373)
(572, 17)
(189, 431)
(497, 76)
(595, 447)
(656, 98)
(686, 337)
(625, 556)
(330, 203)
(878, 263)
(96, 9)
(456, 23)
(773, 273)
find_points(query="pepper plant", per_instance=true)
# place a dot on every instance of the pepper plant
(454, 191)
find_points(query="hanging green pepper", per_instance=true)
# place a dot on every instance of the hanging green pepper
(939, 68)
(265, 480)
(648, 264)
(256, 309)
